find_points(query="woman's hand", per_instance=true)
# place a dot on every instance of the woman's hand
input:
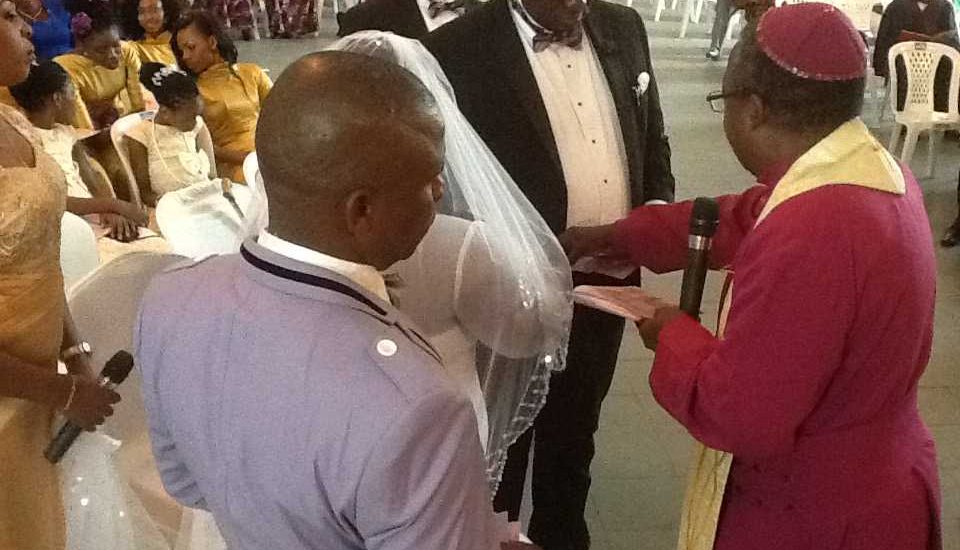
(91, 404)
(132, 212)
(120, 228)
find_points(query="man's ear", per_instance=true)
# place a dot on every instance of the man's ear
(357, 212)
(756, 112)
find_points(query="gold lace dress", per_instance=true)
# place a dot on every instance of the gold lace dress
(32, 201)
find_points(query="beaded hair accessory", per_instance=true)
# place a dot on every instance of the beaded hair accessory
(164, 73)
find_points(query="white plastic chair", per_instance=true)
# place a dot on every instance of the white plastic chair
(117, 131)
(104, 306)
(78, 249)
(921, 60)
(198, 221)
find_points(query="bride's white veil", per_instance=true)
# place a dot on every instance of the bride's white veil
(478, 188)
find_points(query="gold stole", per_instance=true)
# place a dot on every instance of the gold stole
(850, 155)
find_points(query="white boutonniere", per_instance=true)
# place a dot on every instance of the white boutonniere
(643, 82)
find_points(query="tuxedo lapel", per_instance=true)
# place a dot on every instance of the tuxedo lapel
(414, 18)
(512, 59)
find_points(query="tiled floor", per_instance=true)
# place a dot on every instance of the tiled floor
(642, 454)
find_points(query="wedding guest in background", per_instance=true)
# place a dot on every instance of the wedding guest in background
(575, 119)
(147, 24)
(233, 93)
(104, 71)
(907, 20)
(724, 10)
(50, 21)
(292, 18)
(410, 18)
(173, 149)
(35, 326)
(232, 14)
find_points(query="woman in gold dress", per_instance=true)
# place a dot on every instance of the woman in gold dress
(105, 71)
(233, 93)
(147, 25)
(35, 326)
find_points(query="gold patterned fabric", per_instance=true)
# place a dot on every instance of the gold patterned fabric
(155, 49)
(233, 96)
(97, 85)
(32, 201)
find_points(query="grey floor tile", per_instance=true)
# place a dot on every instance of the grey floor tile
(940, 406)
(646, 503)
(651, 539)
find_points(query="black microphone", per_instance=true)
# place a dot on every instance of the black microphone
(703, 225)
(114, 372)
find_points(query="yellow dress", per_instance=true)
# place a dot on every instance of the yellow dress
(233, 96)
(155, 49)
(32, 201)
(97, 85)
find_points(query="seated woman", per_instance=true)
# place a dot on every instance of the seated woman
(172, 150)
(232, 93)
(104, 71)
(147, 24)
(47, 99)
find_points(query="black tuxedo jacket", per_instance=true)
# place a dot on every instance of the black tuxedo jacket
(401, 17)
(485, 61)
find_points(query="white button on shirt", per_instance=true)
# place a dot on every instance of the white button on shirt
(585, 126)
(364, 275)
(434, 23)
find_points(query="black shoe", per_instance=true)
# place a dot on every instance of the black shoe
(713, 54)
(952, 237)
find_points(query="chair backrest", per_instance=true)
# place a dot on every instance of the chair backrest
(198, 221)
(251, 168)
(117, 131)
(104, 306)
(78, 249)
(921, 60)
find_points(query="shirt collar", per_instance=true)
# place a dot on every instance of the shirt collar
(364, 275)
(525, 22)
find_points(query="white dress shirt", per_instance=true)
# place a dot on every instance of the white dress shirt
(364, 275)
(434, 23)
(585, 126)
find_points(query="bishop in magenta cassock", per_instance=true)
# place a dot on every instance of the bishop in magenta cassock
(806, 404)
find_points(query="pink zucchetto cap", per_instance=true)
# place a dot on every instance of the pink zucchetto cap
(813, 41)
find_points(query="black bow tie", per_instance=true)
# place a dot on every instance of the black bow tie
(438, 7)
(572, 38)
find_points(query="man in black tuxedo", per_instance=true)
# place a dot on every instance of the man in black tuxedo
(410, 18)
(563, 93)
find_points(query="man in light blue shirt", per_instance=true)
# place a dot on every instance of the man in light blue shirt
(285, 393)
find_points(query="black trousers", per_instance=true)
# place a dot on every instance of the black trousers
(562, 434)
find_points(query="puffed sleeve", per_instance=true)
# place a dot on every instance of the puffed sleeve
(131, 63)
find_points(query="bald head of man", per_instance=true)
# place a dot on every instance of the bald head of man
(350, 150)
